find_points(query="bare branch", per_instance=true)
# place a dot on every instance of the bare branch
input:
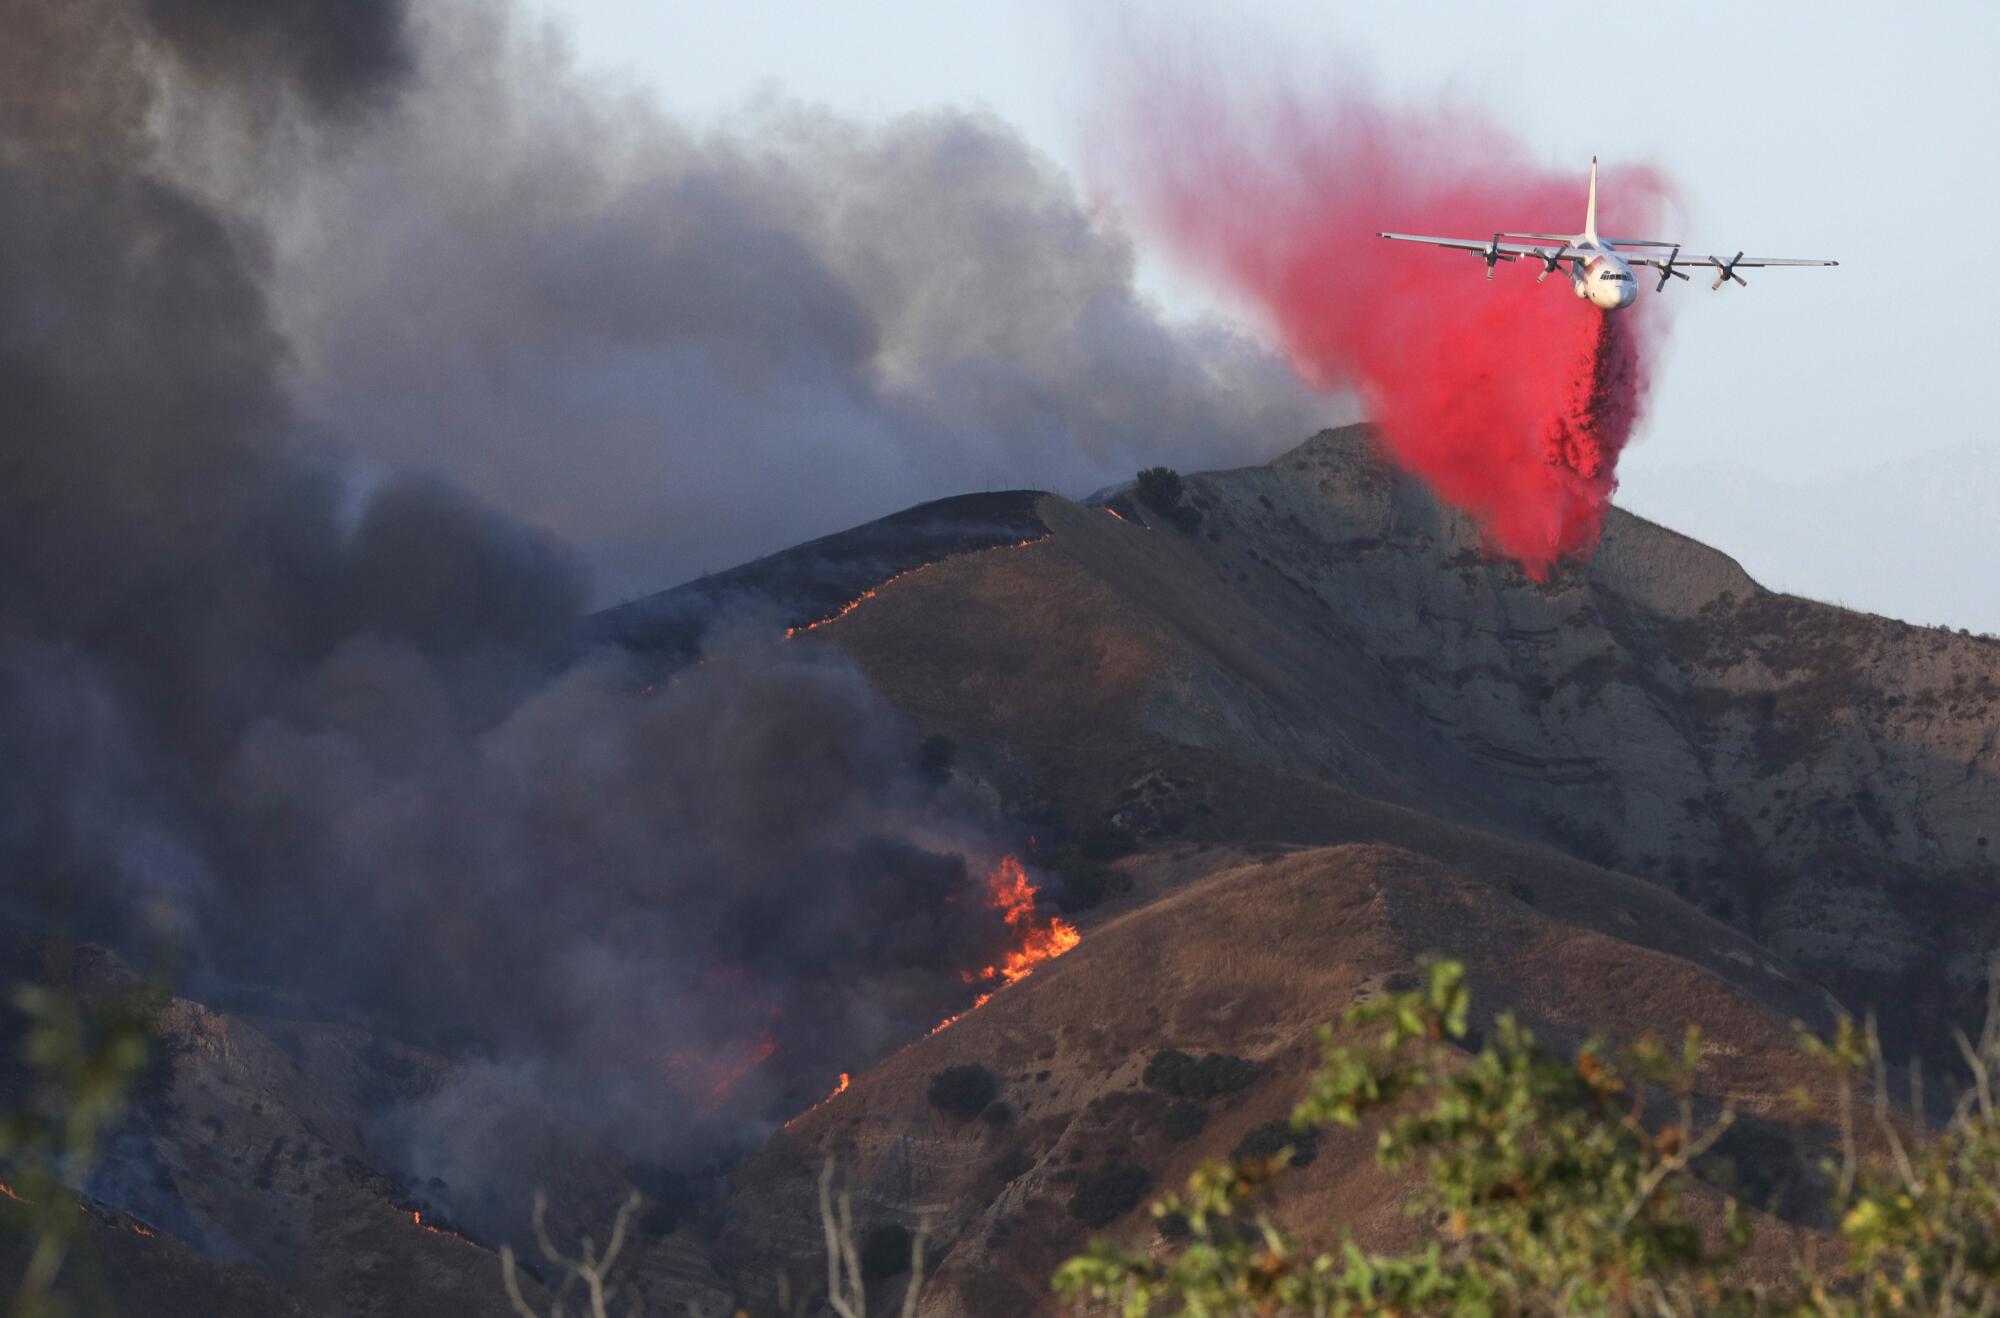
(916, 1269)
(589, 1268)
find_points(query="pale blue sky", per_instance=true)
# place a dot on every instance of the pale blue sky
(1829, 428)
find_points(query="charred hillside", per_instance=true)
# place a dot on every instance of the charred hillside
(815, 581)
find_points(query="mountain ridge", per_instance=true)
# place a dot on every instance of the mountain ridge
(1329, 735)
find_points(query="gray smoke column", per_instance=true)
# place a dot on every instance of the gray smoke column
(681, 347)
(321, 721)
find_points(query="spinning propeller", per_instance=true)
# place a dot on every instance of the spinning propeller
(1492, 253)
(1667, 271)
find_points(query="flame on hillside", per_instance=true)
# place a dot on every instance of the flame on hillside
(1034, 937)
(836, 1092)
(1037, 938)
(416, 1217)
(115, 1218)
(867, 595)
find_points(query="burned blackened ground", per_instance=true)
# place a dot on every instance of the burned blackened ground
(812, 582)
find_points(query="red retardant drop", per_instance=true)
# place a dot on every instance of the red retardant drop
(1510, 399)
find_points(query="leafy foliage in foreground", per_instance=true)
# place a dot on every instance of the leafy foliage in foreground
(1555, 1191)
(82, 1059)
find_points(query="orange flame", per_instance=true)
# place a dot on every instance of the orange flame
(867, 595)
(417, 1219)
(838, 1090)
(1037, 938)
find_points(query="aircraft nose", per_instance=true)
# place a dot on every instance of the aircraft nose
(1628, 294)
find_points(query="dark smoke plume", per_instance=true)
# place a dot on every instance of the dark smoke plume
(337, 54)
(323, 724)
(683, 347)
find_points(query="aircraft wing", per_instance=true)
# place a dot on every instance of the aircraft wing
(1713, 262)
(1506, 251)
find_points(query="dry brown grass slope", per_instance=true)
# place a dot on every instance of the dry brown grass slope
(1248, 959)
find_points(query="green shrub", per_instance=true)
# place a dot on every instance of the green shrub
(1104, 1195)
(1556, 1188)
(1198, 1078)
(963, 1091)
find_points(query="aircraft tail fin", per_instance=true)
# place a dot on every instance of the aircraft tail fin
(1590, 208)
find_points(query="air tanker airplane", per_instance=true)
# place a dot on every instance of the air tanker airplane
(1599, 268)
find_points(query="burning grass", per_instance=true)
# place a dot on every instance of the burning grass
(887, 582)
(1038, 938)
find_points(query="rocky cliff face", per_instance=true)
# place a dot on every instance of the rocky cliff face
(1825, 780)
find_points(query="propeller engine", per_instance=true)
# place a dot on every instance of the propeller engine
(1727, 270)
(1492, 253)
(1667, 271)
(1551, 261)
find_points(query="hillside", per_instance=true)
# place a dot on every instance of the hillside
(1822, 780)
(1328, 735)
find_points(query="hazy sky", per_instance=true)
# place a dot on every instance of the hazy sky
(1828, 428)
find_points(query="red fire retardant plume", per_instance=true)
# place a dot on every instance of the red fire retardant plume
(1510, 399)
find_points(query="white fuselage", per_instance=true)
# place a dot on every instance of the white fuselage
(1598, 275)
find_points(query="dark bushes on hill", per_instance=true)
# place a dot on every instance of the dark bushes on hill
(1012, 1165)
(1109, 1192)
(1088, 888)
(963, 1091)
(1182, 1120)
(1162, 490)
(1267, 1140)
(885, 1251)
(1198, 1078)
(1107, 841)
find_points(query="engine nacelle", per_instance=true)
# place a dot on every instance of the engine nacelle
(1667, 271)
